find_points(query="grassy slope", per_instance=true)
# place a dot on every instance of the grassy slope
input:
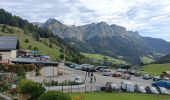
(156, 69)
(121, 96)
(146, 59)
(53, 52)
(100, 57)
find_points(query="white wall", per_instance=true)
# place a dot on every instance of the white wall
(8, 54)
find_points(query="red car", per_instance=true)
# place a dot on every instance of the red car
(117, 74)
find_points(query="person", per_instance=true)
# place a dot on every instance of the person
(91, 77)
(91, 74)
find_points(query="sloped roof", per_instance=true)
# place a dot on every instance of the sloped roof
(32, 60)
(8, 43)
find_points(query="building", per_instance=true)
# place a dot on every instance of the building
(166, 74)
(8, 48)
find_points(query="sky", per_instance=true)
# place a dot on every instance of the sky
(149, 17)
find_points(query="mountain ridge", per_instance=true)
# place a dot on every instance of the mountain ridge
(110, 40)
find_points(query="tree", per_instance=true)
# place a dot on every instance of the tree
(30, 89)
(37, 37)
(105, 58)
(26, 41)
(30, 47)
(62, 56)
(51, 45)
(35, 48)
(54, 95)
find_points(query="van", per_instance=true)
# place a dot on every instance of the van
(127, 86)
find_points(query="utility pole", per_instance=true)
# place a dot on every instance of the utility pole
(64, 54)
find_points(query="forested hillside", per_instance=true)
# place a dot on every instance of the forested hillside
(37, 33)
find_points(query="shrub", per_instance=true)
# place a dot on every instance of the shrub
(26, 41)
(54, 95)
(30, 88)
(20, 71)
(4, 86)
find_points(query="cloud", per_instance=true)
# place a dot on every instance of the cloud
(149, 17)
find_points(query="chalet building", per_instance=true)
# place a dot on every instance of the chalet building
(8, 49)
(166, 74)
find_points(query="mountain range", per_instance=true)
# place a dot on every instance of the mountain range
(110, 40)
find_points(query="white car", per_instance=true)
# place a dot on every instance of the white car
(78, 79)
(147, 76)
(152, 90)
(140, 89)
(115, 87)
(162, 90)
(128, 86)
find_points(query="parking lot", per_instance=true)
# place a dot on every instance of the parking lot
(71, 73)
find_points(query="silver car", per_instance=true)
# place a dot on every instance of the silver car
(152, 90)
(162, 90)
(140, 89)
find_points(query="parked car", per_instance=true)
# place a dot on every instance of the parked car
(152, 90)
(140, 89)
(110, 86)
(162, 83)
(157, 78)
(107, 74)
(166, 78)
(107, 70)
(88, 68)
(115, 87)
(78, 80)
(78, 68)
(126, 76)
(102, 88)
(127, 86)
(73, 65)
(162, 90)
(121, 70)
(103, 70)
(137, 74)
(131, 72)
(147, 76)
(99, 67)
(117, 74)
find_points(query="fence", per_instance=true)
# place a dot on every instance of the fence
(74, 88)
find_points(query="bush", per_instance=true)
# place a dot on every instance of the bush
(21, 72)
(4, 86)
(54, 95)
(26, 41)
(30, 88)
